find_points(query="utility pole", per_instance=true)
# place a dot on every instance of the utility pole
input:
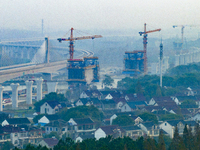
(161, 58)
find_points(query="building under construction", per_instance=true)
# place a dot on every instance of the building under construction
(84, 70)
(134, 62)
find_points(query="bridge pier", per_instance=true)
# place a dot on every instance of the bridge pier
(1, 98)
(29, 92)
(46, 50)
(51, 86)
(14, 94)
(39, 89)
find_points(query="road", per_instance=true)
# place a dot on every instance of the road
(6, 75)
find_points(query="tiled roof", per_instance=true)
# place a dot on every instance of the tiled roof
(136, 97)
(80, 121)
(136, 103)
(117, 100)
(53, 104)
(57, 123)
(131, 128)
(52, 117)
(175, 122)
(151, 107)
(109, 129)
(148, 124)
(14, 121)
(51, 141)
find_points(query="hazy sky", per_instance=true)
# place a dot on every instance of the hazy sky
(98, 14)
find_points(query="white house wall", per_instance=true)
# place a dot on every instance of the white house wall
(167, 128)
(83, 95)
(99, 133)
(48, 108)
(125, 108)
(43, 120)
(4, 123)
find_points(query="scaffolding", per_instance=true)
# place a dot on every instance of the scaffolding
(134, 62)
(77, 69)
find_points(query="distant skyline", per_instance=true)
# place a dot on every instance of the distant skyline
(102, 14)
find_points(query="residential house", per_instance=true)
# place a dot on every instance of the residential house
(133, 131)
(150, 129)
(196, 116)
(97, 103)
(90, 94)
(114, 130)
(59, 126)
(155, 100)
(108, 104)
(48, 142)
(81, 126)
(133, 105)
(111, 94)
(16, 121)
(83, 101)
(119, 102)
(151, 108)
(135, 97)
(80, 138)
(135, 118)
(50, 107)
(22, 135)
(169, 126)
(47, 119)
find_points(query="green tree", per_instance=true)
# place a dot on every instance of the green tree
(64, 144)
(139, 88)
(53, 96)
(189, 104)
(7, 145)
(197, 137)
(81, 112)
(148, 117)
(108, 81)
(170, 117)
(161, 142)
(177, 142)
(150, 144)
(123, 120)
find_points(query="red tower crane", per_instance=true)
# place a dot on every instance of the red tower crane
(72, 39)
(145, 44)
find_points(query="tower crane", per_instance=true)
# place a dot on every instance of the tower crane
(145, 44)
(71, 40)
(182, 29)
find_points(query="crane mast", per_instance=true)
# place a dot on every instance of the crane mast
(145, 44)
(71, 40)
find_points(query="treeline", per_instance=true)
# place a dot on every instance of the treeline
(149, 85)
(188, 141)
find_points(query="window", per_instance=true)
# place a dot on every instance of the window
(165, 124)
(15, 134)
(50, 129)
(16, 142)
(47, 128)
(156, 132)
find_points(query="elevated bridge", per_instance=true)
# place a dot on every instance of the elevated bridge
(53, 57)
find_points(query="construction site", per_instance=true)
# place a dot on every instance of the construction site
(85, 70)
(135, 62)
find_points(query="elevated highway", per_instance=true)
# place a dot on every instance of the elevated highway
(10, 72)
